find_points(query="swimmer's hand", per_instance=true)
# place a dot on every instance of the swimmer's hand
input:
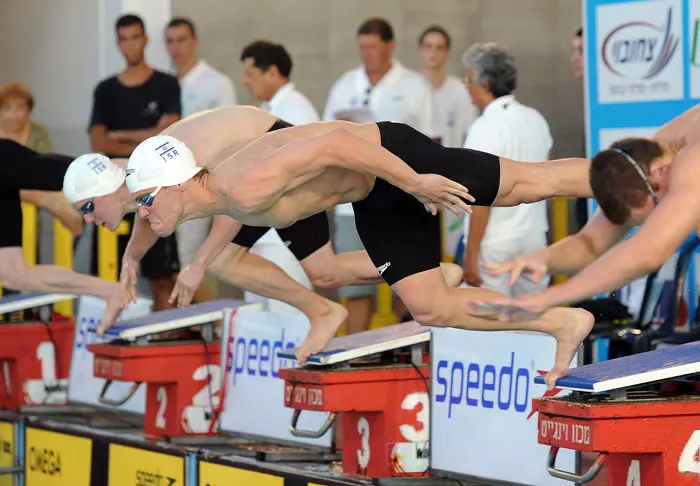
(508, 309)
(531, 266)
(112, 311)
(433, 189)
(187, 283)
(128, 281)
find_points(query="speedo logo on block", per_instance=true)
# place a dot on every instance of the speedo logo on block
(503, 386)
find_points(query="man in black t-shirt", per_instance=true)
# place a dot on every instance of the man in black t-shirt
(127, 108)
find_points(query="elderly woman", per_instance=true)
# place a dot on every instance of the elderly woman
(16, 105)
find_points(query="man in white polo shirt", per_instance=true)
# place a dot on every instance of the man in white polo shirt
(202, 88)
(381, 89)
(267, 67)
(453, 111)
(508, 129)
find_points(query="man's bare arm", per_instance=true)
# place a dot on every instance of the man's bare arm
(575, 252)
(676, 217)
(100, 142)
(57, 204)
(223, 230)
(138, 136)
(141, 240)
(303, 159)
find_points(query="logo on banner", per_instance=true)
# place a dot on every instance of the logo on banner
(640, 49)
(638, 54)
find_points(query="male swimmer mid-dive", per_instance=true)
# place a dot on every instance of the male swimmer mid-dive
(650, 183)
(26, 175)
(388, 171)
(95, 186)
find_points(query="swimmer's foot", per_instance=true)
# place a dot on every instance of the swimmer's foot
(573, 325)
(323, 328)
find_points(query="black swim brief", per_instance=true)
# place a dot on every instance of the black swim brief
(396, 230)
(23, 168)
(302, 238)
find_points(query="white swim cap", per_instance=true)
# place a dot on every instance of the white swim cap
(160, 161)
(91, 175)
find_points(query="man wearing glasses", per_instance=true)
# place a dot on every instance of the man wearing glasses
(650, 183)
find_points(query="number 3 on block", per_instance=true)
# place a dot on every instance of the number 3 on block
(689, 461)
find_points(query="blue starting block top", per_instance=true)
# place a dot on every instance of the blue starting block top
(172, 319)
(635, 370)
(31, 299)
(366, 343)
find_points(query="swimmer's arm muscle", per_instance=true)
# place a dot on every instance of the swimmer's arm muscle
(658, 238)
(223, 230)
(340, 148)
(141, 240)
(575, 252)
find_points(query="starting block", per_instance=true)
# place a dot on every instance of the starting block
(35, 355)
(183, 378)
(641, 436)
(379, 381)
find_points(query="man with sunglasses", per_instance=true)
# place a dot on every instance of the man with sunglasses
(26, 175)
(650, 183)
(95, 185)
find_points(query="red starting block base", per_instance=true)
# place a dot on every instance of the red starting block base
(385, 414)
(646, 438)
(182, 379)
(35, 362)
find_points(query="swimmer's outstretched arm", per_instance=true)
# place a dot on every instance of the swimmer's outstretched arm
(303, 159)
(676, 217)
(567, 256)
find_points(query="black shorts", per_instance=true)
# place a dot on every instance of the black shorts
(398, 233)
(23, 168)
(302, 238)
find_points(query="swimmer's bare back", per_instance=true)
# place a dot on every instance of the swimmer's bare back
(213, 135)
(263, 192)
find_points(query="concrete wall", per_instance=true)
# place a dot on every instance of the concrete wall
(320, 37)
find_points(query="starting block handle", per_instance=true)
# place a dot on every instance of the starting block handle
(310, 434)
(116, 403)
(576, 478)
(11, 470)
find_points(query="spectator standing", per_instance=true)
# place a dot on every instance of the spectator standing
(16, 105)
(267, 68)
(202, 88)
(129, 107)
(380, 89)
(508, 129)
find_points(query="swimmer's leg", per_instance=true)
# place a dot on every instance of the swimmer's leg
(237, 266)
(328, 269)
(527, 182)
(433, 303)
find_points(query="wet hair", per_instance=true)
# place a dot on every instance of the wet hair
(617, 185)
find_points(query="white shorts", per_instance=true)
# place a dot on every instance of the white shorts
(190, 236)
(502, 251)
